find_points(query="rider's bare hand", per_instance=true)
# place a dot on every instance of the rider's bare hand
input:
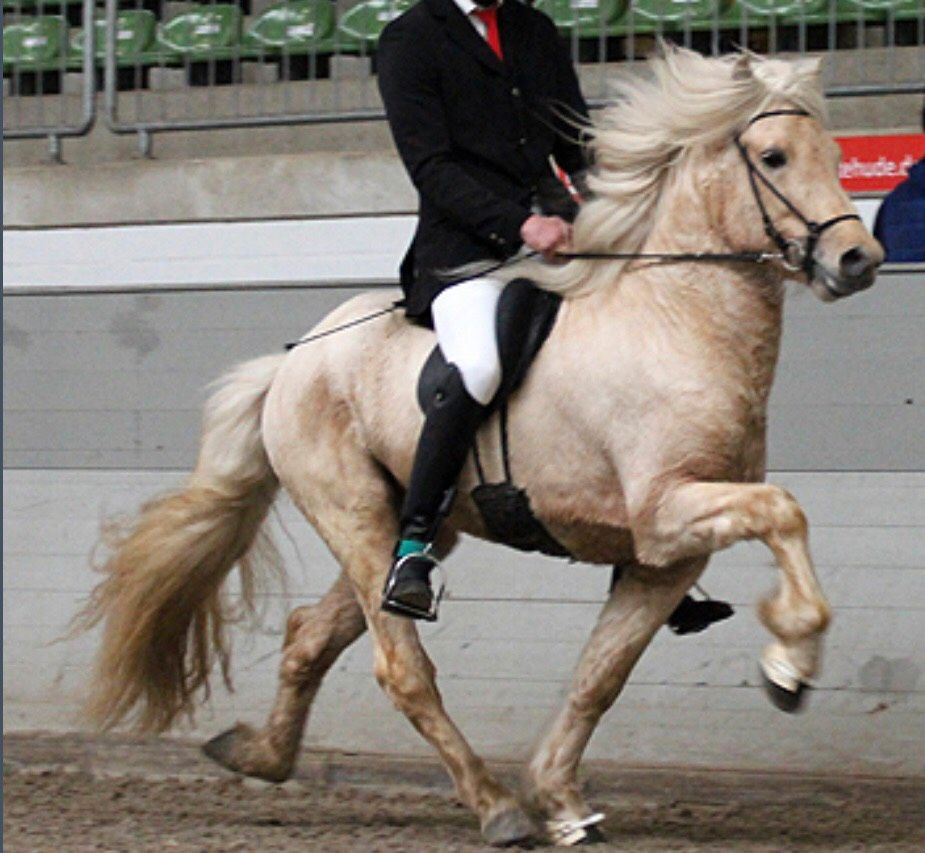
(547, 234)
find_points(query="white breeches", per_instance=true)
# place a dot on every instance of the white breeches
(464, 318)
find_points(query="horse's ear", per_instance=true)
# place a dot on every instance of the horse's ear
(742, 68)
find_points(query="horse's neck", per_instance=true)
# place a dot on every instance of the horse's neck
(734, 308)
(680, 324)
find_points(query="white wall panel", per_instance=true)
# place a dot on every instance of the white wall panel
(355, 248)
(513, 626)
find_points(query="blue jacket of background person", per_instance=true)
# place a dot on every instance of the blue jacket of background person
(900, 224)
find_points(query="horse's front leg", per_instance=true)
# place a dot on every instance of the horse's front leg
(638, 606)
(697, 518)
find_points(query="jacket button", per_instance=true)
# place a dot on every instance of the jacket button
(522, 141)
(515, 92)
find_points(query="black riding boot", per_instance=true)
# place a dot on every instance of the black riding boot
(451, 421)
(690, 616)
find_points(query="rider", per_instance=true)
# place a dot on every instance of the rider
(479, 97)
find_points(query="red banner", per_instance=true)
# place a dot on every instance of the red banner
(874, 164)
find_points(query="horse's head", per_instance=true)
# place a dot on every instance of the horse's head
(728, 155)
(786, 169)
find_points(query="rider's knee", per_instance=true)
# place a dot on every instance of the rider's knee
(482, 378)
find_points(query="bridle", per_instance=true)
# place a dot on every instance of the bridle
(795, 254)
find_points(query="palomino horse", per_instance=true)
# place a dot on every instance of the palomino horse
(639, 435)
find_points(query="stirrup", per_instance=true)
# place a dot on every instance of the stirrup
(390, 605)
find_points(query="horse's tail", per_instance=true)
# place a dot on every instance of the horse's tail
(164, 616)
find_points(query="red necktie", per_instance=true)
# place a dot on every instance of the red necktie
(490, 18)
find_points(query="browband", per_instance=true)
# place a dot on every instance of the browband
(793, 111)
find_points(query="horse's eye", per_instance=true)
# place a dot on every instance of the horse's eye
(774, 158)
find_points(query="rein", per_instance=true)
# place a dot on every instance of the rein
(794, 254)
(744, 257)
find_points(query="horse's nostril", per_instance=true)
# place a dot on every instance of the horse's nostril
(856, 264)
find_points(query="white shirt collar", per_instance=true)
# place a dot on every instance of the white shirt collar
(467, 7)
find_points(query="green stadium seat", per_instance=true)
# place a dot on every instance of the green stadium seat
(763, 10)
(135, 32)
(34, 44)
(764, 13)
(293, 26)
(25, 5)
(883, 7)
(588, 17)
(359, 28)
(845, 11)
(675, 11)
(907, 10)
(881, 10)
(208, 33)
(655, 16)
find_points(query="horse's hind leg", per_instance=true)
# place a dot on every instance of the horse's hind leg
(636, 609)
(315, 637)
(352, 504)
(408, 677)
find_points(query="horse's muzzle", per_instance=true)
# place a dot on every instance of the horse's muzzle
(857, 270)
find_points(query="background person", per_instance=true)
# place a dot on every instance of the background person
(900, 222)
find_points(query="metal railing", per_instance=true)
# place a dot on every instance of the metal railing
(186, 87)
(38, 91)
(210, 66)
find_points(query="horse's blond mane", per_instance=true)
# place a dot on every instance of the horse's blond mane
(690, 100)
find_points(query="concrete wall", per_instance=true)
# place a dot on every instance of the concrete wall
(114, 380)
(841, 68)
(103, 392)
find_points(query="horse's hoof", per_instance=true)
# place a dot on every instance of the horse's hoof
(234, 750)
(510, 828)
(222, 748)
(593, 835)
(783, 697)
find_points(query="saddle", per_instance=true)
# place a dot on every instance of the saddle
(525, 317)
